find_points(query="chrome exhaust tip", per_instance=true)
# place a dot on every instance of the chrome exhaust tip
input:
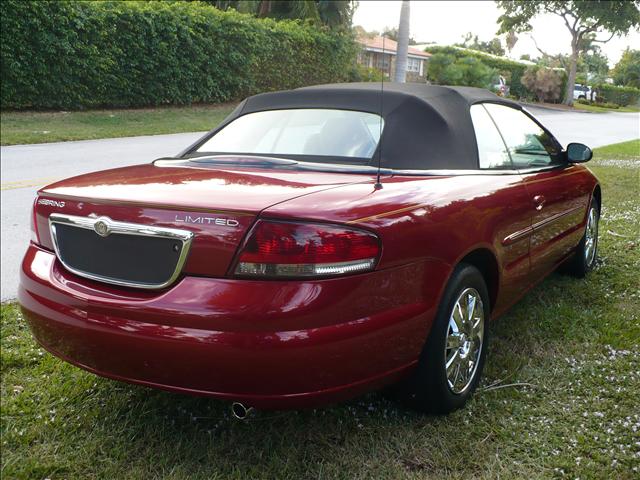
(240, 411)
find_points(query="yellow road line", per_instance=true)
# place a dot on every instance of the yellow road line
(34, 182)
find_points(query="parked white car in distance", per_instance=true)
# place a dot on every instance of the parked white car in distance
(582, 91)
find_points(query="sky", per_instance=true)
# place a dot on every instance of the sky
(447, 22)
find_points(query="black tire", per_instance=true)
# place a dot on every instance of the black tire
(583, 261)
(429, 389)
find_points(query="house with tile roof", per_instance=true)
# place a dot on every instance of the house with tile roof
(380, 53)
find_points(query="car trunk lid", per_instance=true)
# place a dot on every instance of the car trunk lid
(218, 205)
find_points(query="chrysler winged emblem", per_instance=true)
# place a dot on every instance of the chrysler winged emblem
(102, 228)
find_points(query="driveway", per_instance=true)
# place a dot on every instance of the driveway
(25, 168)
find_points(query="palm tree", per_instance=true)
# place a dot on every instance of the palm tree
(403, 43)
(333, 13)
(336, 13)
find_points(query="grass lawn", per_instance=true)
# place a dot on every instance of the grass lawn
(40, 127)
(559, 399)
(625, 150)
(595, 108)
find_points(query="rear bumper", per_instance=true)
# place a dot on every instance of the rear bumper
(268, 344)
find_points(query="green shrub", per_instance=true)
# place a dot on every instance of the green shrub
(627, 70)
(447, 70)
(606, 105)
(511, 70)
(584, 101)
(360, 73)
(620, 95)
(127, 54)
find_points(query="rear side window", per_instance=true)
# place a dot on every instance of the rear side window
(492, 151)
(529, 145)
(313, 132)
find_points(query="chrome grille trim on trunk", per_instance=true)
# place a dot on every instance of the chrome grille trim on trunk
(104, 227)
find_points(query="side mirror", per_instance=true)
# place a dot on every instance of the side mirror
(578, 153)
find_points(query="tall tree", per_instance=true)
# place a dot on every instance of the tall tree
(493, 46)
(582, 18)
(592, 66)
(627, 70)
(593, 63)
(403, 43)
(336, 13)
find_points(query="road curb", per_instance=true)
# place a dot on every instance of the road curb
(553, 109)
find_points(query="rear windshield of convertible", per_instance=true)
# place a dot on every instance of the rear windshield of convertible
(312, 132)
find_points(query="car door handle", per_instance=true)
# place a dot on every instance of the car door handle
(539, 201)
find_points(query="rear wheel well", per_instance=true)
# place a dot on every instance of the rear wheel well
(486, 262)
(597, 194)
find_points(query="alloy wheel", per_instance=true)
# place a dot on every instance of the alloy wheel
(591, 237)
(464, 341)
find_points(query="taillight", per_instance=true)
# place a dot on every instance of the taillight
(291, 249)
(34, 229)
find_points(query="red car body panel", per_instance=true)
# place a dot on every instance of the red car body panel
(291, 343)
(446, 217)
(270, 344)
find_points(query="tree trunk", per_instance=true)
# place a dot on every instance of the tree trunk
(403, 43)
(573, 66)
(264, 8)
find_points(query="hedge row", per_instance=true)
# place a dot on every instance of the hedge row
(74, 55)
(619, 95)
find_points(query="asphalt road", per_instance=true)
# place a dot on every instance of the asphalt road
(25, 168)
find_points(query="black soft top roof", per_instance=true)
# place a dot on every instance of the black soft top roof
(425, 126)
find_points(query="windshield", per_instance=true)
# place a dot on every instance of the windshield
(300, 132)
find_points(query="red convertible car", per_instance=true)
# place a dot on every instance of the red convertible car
(318, 244)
